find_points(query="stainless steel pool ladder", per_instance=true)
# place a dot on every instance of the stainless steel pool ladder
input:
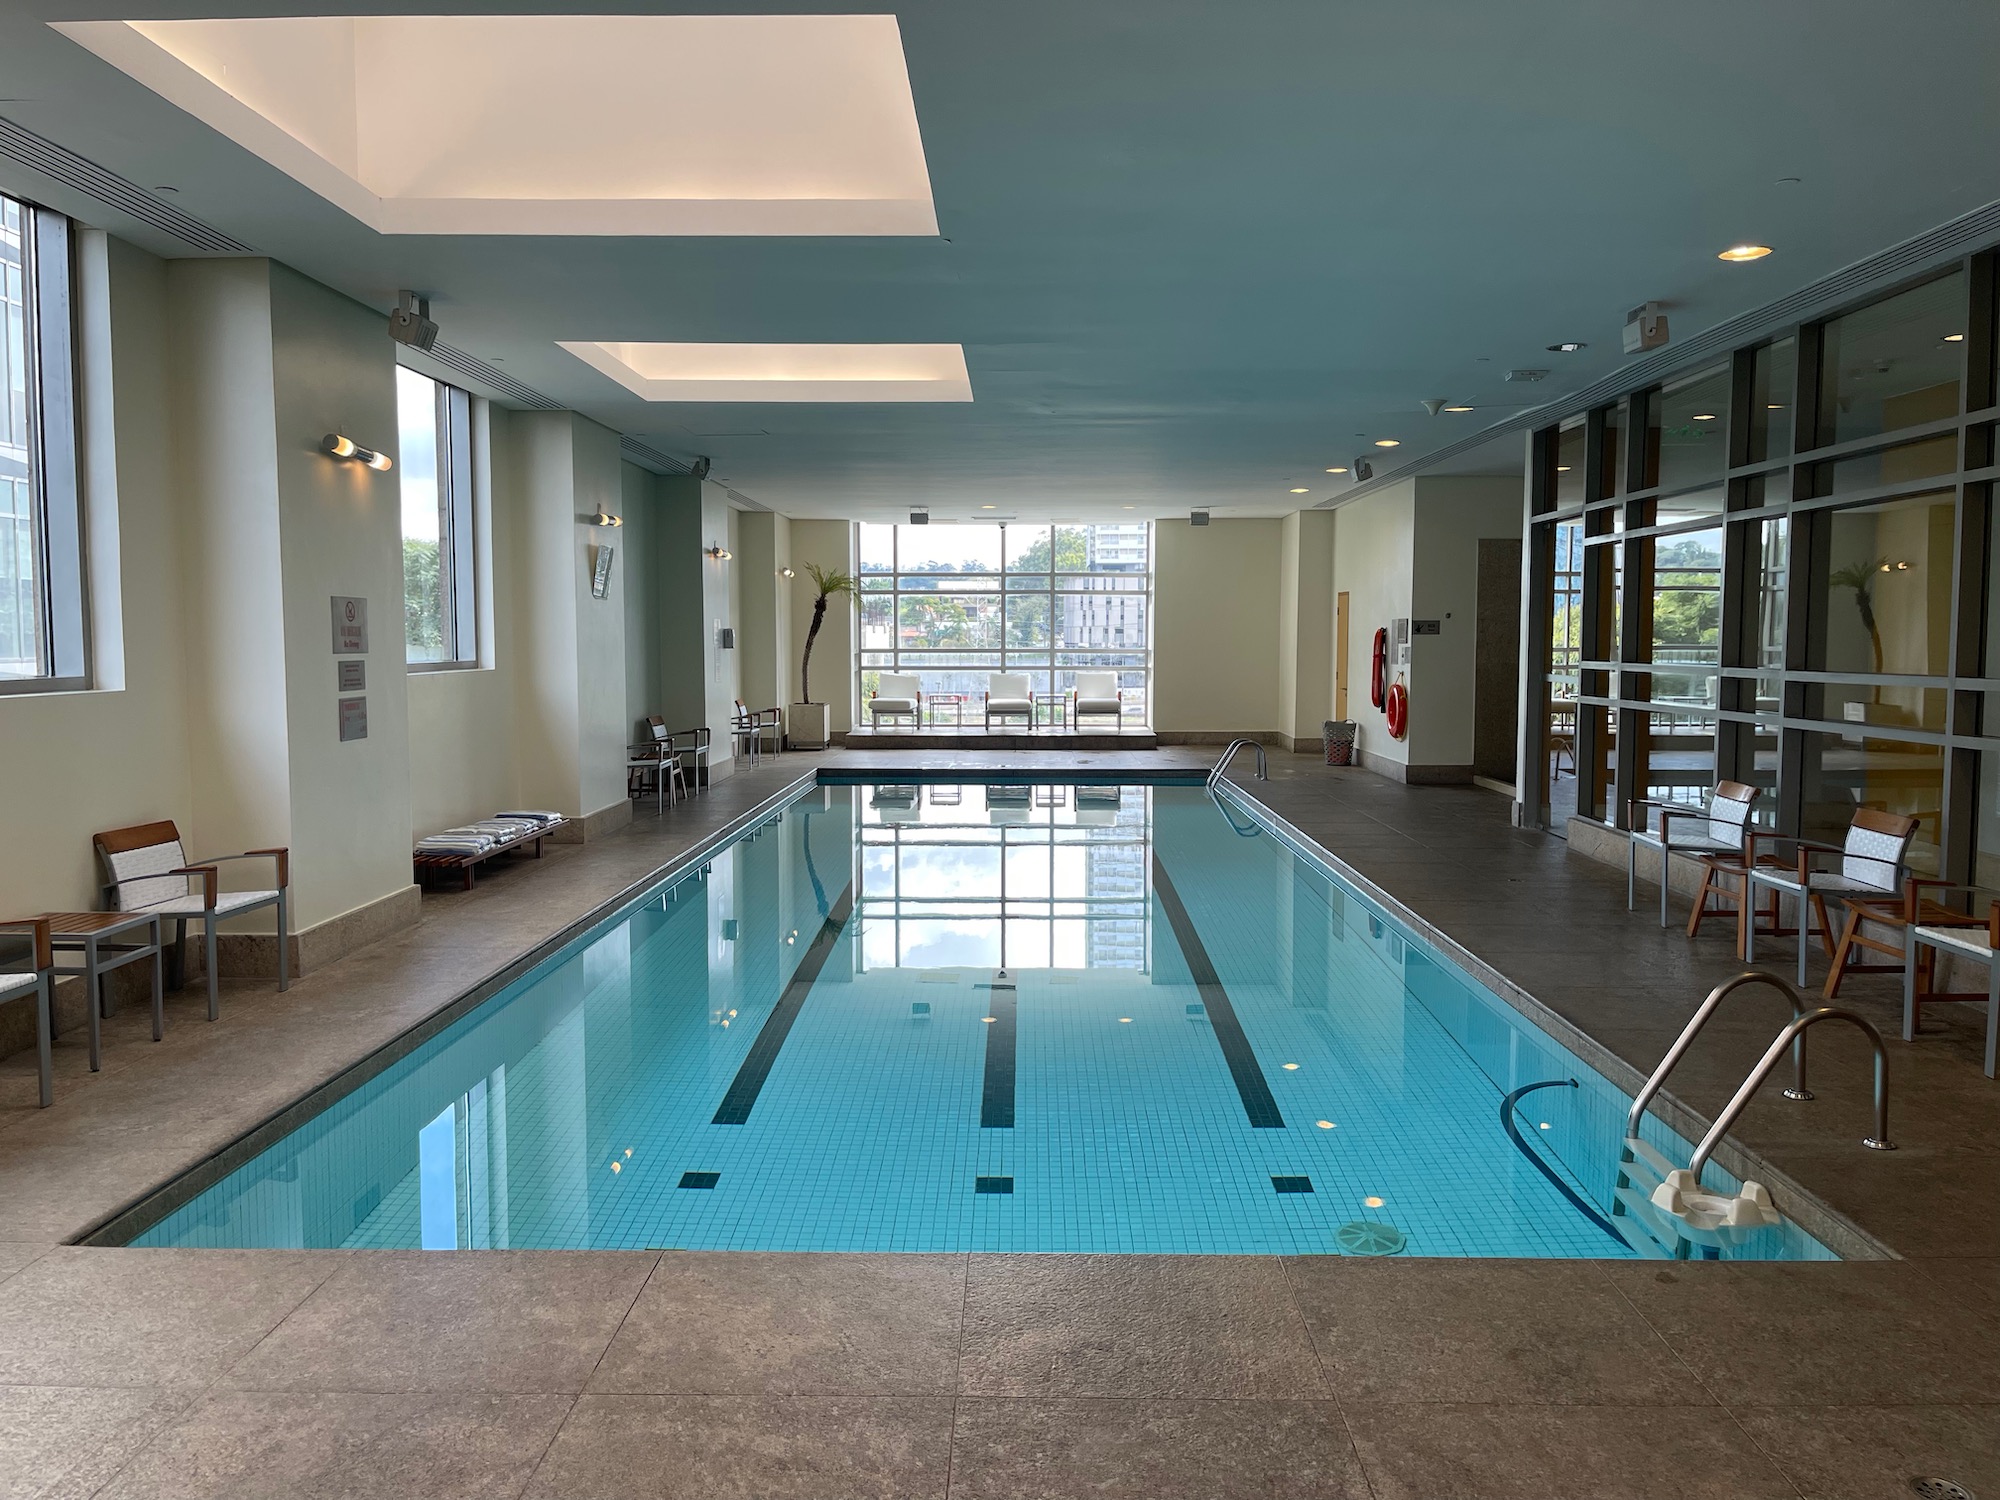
(1263, 767)
(1630, 1199)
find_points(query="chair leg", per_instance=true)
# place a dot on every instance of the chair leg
(1825, 922)
(1992, 1014)
(1839, 969)
(284, 948)
(208, 959)
(45, 1048)
(1805, 934)
(1909, 987)
(1631, 873)
(159, 988)
(1666, 869)
(1701, 900)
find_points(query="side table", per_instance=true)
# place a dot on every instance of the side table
(108, 940)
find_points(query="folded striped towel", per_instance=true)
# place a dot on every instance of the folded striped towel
(539, 817)
(444, 843)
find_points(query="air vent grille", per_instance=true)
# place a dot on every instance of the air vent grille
(648, 456)
(40, 154)
(1974, 231)
(485, 374)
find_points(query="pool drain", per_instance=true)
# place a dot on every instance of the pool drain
(1940, 1489)
(1365, 1237)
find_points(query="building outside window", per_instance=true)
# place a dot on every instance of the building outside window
(1788, 580)
(955, 603)
(42, 629)
(440, 614)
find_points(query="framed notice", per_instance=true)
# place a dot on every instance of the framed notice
(353, 675)
(600, 574)
(353, 719)
(350, 626)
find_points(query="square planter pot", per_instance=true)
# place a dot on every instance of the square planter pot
(806, 725)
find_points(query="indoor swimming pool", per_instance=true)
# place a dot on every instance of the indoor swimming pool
(985, 1016)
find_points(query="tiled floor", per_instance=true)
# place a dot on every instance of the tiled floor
(244, 1374)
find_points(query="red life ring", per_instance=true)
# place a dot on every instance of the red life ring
(1398, 709)
(1378, 679)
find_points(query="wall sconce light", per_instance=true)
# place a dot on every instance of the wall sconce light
(346, 447)
(786, 573)
(605, 518)
(719, 552)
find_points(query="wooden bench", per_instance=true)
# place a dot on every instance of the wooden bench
(432, 862)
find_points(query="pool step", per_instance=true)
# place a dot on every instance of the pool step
(1647, 1230)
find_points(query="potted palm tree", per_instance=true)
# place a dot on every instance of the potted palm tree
(807, 724)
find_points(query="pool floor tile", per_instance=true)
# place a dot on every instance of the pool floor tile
(750, 1323)
(1152, 1450)
(749, 1448)
(486, 1320)
(1133, 1326)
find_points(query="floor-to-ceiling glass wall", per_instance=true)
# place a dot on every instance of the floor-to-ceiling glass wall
(952, 604)
(1777, 567)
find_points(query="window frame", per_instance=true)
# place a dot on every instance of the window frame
(52, 443)
(458, 542)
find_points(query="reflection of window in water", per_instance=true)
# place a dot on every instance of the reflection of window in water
(1005, 876)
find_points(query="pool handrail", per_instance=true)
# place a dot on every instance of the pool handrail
(1263, 766)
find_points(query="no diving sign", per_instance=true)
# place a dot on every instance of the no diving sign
(350, 626)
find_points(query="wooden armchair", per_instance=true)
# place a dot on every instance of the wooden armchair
(1872, 865)
(149, 871)
(1713, 837)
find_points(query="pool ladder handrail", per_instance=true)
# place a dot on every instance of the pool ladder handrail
(1795, 1030)
(1693, 1029)
(1263, 766)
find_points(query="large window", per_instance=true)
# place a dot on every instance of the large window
(954, 603)
(1788, 579)
(42, 641)
(440, 616)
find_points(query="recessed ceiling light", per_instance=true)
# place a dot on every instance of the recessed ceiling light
(1567, 346)
(1338, 469)
(1388, 442)
(1131, 507)
(1562, 468)
(1744, 252)
(1704, 416)
(1954, 338)
(1775, 406)
(1299, 490)
(1124, 1020)
(1291, 1067)
(1458, 408)
(986, 507)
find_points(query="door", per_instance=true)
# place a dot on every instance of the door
(1340, 656)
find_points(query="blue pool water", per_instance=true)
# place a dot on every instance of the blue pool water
(1033, 1018)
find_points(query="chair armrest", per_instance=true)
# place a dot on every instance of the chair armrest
(38, 929)
(211, 882)
(282, 858)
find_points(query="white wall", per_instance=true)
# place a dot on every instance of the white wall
(1452, 515)
(764, 551)
(1305, 625)
(1374, 557)
(1215, 627)
(602, 727)
(831, 545)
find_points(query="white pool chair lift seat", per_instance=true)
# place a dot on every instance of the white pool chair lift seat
(1716, 831)
(1008, 696)
(1097, 693)
(898, 695)
(150, 872)
(1873, 862)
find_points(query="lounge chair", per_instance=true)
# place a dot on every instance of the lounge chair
(899, 695)
(1873, 863)
(657, 762)
(1097, 693)
(151, 872)
(1711, 836)
(1008, 696)
(17, 983)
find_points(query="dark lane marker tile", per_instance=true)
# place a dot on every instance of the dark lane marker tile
(1236, 1051)
(749, 1082)
(993, 1184)
(1292, 1184)
(700, 1179)
(996, 1097)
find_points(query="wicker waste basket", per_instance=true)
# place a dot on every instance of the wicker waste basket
(1337, 738)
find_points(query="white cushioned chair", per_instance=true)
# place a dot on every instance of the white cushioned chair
(1008, 696)
(1969, 938)
(151, 872)
(1097, 693)
(1872, 863)
(1713, 836)
(37, 979)
(899, 696)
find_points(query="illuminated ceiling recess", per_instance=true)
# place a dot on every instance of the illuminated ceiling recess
(783, 372)
(567, 125)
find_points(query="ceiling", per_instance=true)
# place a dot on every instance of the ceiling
(1194, 253)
